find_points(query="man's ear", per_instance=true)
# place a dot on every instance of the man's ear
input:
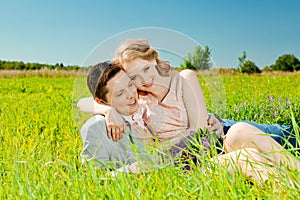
(100, 101)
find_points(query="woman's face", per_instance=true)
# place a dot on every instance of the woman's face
(143, 73)
(122, 94)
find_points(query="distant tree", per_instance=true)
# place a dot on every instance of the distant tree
(19, 65)
(187, 65)
(266, 69)
(56, 66)
(50, 66)
(200, 58)
(242, 60)
(15, 65)
(32, 66)
(249, 67)
(286, 62)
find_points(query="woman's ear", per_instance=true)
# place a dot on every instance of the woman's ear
(100, 101)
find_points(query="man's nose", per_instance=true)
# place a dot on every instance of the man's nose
(131, 94)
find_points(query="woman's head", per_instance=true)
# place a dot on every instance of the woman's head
(133, 49)
(110, 85)
(142, 64)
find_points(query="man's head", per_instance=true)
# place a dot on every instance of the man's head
(110, 85)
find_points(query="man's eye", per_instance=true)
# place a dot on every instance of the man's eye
(133, 78)
(146, 69)
(120, 93)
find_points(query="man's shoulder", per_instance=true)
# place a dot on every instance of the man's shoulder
(93, 122)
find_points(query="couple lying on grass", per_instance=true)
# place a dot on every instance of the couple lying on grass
(140, 105)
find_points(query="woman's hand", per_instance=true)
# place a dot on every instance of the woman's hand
(115, 124)
(215, 125)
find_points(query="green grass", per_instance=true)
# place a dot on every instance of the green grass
(40, 144)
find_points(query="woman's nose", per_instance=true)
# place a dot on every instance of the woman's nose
(143, 80)
(138, 81)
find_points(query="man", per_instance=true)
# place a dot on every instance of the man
(110, 86)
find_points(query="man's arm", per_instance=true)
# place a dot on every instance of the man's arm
(95, 140)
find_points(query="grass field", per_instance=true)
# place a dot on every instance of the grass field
(40, 143)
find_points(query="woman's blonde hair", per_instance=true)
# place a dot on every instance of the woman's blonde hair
(138, 48)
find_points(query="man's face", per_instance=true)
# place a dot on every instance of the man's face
(122, 94)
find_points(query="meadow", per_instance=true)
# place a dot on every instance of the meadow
(40, 142)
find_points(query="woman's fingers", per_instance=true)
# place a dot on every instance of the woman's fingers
(115, 133)
(115, 125)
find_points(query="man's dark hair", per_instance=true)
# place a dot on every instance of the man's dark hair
(98, 77)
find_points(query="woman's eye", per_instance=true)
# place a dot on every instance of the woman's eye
(133, 78)
(119, 94)
(146, 69)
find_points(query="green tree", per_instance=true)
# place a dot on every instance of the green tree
(242, 60)
(249, 67)
(286, 62)
(200, 58)
(266, 69)
(187, 65)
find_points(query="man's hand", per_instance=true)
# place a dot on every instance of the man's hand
(115, 125)
(215, 125)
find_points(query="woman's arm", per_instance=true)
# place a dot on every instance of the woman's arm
(89, 106)
(194, 100)
(114, 121)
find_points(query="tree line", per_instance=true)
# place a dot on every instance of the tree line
(16, 65)
(200, 59)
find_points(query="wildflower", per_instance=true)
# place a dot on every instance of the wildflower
(271, 98)
(279, 101)
(287, 102)
(236, 108)
(273, 114)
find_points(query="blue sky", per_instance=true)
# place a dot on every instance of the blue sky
(67, 31)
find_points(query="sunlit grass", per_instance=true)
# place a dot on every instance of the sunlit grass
(40, 146)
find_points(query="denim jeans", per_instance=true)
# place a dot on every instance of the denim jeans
(280, 133)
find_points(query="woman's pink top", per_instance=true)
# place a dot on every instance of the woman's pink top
(167, 119)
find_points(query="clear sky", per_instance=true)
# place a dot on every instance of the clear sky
(66, 31)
